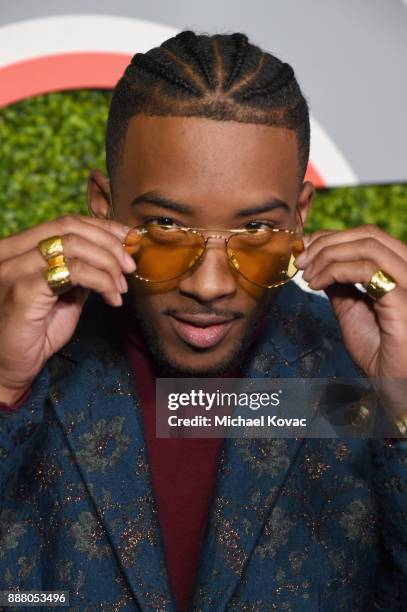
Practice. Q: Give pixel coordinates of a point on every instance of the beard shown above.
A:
(166, 366)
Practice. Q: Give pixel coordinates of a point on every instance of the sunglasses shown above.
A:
(264, 257)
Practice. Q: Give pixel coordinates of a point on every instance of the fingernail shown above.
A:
(119, 285)
(123, 284)
(129, 261)
(300, 260)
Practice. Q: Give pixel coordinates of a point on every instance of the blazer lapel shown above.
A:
(94, 399)
(252, 471)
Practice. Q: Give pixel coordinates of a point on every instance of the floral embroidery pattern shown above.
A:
(11, 531)
(275, 533)
(264, 456)
(358, 522)
(89, 536)
(104, 445)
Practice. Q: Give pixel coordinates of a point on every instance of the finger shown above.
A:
(365, 248)
(82, 274)
(353, 272)
(90, 227)
(91, 232)
(320, 240)
(28, 287)
(131, 235)
(77, 247)
(74, 247)
(309, 238)
(85, 275)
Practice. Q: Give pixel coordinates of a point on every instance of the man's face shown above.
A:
(198, 172)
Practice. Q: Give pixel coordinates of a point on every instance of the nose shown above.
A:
(213, 278)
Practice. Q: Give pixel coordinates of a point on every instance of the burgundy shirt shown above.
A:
(183, 472)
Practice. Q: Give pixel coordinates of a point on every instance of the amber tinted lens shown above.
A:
(166, 253)
(265, 257)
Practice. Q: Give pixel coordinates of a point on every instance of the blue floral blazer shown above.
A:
(294, 525)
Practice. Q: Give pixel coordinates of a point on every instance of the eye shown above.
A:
(161, 221)
(259, 225)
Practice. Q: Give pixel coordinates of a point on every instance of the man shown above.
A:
(211, 133)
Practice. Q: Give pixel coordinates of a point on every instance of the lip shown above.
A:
(201, 331)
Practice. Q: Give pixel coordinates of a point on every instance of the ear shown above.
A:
(304, 203)
(99, 196)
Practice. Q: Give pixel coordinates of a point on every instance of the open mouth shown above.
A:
(201, 332)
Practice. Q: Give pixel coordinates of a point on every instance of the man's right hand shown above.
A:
(34, 322)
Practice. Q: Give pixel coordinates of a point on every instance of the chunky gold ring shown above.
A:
(50, 247)
(57, 274)
(380, 284)
(401, 424)
(360, 418)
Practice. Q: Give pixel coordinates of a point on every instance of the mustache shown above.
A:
(199, 310)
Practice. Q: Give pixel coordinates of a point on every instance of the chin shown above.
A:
(212, 364)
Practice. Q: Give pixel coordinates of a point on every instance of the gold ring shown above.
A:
(57, 274)
(50, 247)
(380, 284)
(360, 417)
(401, 424)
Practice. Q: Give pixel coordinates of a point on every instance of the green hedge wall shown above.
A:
(49, 143)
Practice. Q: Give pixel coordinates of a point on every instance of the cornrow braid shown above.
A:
(190, 43)
(282, 79)
(180, 78)
(150, 65)
(242, 49)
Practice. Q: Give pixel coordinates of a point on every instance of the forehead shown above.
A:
(204, 154)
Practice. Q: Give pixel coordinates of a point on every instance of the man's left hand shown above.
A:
(374, 331)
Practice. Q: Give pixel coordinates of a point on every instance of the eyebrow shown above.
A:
(271, 204)
(153, 197)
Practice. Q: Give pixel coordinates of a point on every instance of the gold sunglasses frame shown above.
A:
(142, 229)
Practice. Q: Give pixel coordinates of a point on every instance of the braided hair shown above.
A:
(222, 77)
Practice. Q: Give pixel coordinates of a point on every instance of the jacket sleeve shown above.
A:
(19, 430)
(390, 486)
